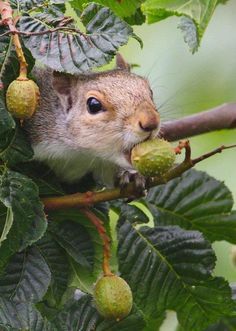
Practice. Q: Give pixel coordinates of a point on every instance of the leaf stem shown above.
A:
(7, 19)
(104, 237)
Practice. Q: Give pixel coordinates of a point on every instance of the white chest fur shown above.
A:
(70, 165)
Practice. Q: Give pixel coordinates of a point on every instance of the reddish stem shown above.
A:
(104, 237)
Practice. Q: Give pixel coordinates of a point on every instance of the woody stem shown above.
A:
(83, 199)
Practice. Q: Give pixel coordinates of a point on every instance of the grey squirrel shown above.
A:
(90, 122)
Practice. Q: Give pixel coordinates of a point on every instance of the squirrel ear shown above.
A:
(121, 63)
(63, 85)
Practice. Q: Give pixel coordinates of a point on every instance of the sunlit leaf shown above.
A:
(199, 14)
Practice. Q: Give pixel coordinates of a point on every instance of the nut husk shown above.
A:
(113, 297)
(22, 98)
(153, 157)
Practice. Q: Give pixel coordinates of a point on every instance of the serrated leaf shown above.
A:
(155, 323)
(75, 239)
(29, 5)
(22, 316)
(131, 212)
(136, 19)
(134, 321)
(81, 315)
(7, 125)
(124, 8)
(81, 277)
(20, 194)
(190, 33)
(58, 265)
(73, 52)
(47, 182)
(26, 278)
(195, 201)
(78, 315)
(169, 268)
(19, 149)
(199, 12)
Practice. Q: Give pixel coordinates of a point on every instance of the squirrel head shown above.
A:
(105, 114)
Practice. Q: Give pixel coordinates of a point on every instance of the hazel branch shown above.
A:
(91, 198)
(222, 117)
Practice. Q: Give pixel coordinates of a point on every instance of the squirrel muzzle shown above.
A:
(147, 117)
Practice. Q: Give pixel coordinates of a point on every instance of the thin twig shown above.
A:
(85, 199)
(215, 151)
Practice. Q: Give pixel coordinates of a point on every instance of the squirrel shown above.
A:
(90, 123)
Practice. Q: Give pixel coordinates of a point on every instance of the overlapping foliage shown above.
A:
(49, 263)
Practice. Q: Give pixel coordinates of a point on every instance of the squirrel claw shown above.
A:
(139, 181)
(124, 179)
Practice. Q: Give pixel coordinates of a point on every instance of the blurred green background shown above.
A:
(184, 83)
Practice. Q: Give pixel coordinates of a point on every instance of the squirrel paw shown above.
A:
(125, 177)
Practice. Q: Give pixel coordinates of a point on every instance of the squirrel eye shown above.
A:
(94, 105)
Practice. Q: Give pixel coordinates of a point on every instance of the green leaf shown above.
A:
(169, 268)
(58, 264)
(136, 19)
(195, 201)
(11, 66)
(224, 325)
(134, 321)
(75, 239)
(7, 126)
(74, 52)
(131, 212)
(78, 315)
(155, 323)
(22, 316)
(81, 315)
(82, 277)
(47, 182)
(19, 149)
(7, 224)
(26, 278)
(190, 33)
(29, 5)
(198, 13)
(20, 194)
(5, 49)
(124, 8)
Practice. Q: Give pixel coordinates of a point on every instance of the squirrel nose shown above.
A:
(148, 127)
(149, 122)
